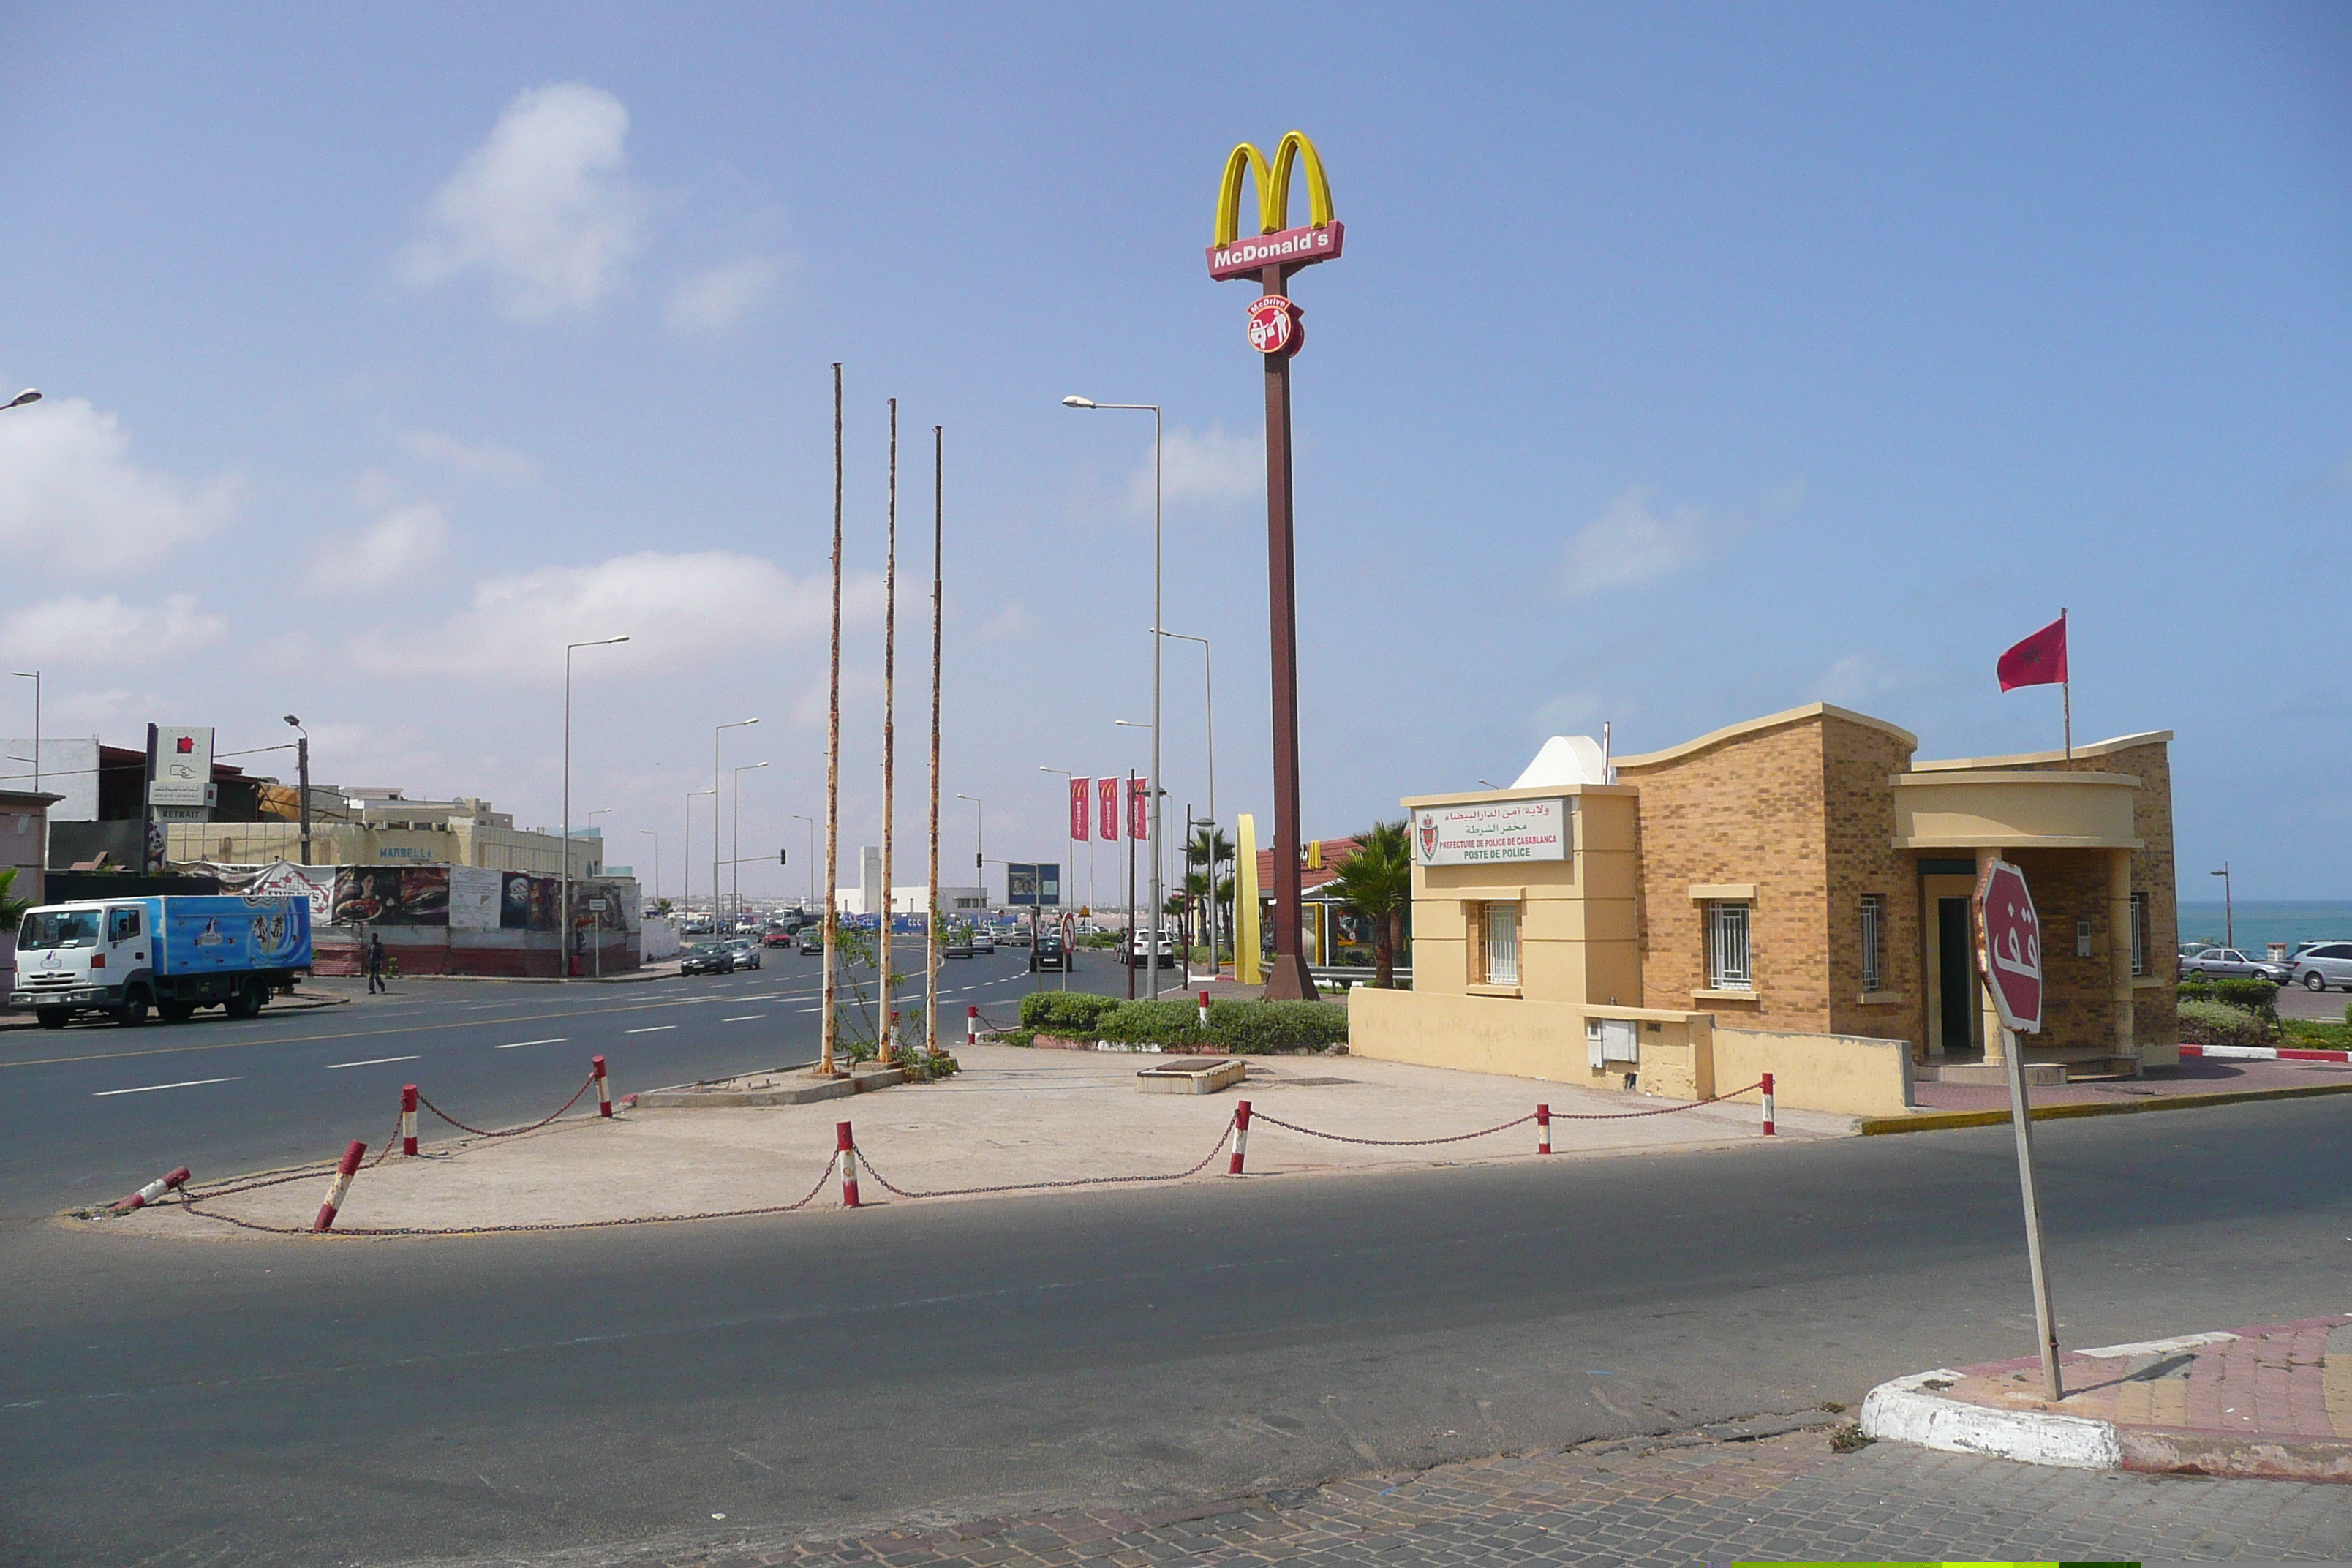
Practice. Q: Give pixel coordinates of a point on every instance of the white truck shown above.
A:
(170, 953)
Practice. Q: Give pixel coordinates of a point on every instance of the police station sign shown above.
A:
(1491, 832)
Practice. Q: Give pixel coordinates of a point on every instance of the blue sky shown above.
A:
(1687, 363)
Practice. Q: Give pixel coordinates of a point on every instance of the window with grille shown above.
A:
(1502, 943)
(1727, 948)
(2139, 932)
(1874, 921)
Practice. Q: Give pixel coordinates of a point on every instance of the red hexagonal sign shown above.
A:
(2009, 946)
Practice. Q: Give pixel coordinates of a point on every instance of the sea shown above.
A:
(2257, 923)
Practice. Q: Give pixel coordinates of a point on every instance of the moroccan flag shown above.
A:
(1082, 816)
(1107, 790)
(2039, 660)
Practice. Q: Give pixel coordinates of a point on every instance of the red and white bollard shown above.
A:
(1204, 1009)
(340, 1187)
(1768, 1105)
(972, 1024)
(1241, 1139)
(151, 1191)
(1543, 1129)
(846, 1147)
(604, 1089)
(408, 1119)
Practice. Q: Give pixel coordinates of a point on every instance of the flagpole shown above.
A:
(2067, 686)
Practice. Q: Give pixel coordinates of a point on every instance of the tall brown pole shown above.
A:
(889, 1018)
(832, 753)
(1287, 978)
(931, 921)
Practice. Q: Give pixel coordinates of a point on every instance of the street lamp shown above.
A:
(2229, 916)
(566, 873)
(736, 859)
(302, 778)
(717, 731)
(657, 838)
(811, 852)
(1157, 835)
(1209, 696)
(35, 676)
(31, 395)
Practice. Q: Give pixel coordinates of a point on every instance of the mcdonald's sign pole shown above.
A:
(1269, 258)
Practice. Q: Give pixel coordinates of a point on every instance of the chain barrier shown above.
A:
(889, 1186)
(510, 1132)
(310, 1173)
(1256, 1115)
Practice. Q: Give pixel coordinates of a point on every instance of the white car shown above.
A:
(2324, 964)
(1139, 950)
(983, 940)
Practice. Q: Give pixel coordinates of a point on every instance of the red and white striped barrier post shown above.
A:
(340, 1187)
(408, 1119)
(972, 1024)
(1241, 1139)
(1768, 1105)
(1543, 1129)
(603, 1088)
(846, 1147)
(151, 1191)
(1204, 1009)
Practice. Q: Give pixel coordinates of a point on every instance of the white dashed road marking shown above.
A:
(742, 1017)
(651, 1029)
(370, 1062)
(151, 1087)
(519, 1045)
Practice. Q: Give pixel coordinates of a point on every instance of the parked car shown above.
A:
(955, 941)
(746, 951)
(983, 940)
(2228, 962)
(1049, 953)
(2322, 965)
(707, 958)
(811, 938)
(1139, 949)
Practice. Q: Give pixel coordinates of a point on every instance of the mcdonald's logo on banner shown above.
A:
(1081, 808)
(1139, 814)
(1233, 255)
(1107, 790)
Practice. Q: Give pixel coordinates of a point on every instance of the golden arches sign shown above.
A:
(1233, 255)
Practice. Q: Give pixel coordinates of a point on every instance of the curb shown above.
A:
(281, 1005)
(1935, 1121)
(1910, 1410)
(2267, 1053)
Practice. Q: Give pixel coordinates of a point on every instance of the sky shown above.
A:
(1685, 364)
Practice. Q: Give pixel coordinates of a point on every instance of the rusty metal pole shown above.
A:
(931, 921)
(1286, 979)
(833, 756)
(888, 1048)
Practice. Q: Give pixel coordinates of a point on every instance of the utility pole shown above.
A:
(888, 1050)
(833, 752)
(932, 920)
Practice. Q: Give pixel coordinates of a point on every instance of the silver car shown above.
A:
(2324, 964)
(2227, 963)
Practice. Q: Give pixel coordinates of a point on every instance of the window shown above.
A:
(122, 925)
(1874, 918)
(1499, 943)
(1727, 948)
(2139, 933)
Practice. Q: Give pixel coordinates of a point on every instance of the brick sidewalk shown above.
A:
(1666, 1502)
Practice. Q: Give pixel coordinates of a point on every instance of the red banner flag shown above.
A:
(1107, 789)
(2039, 660)
(1082, 792)
(1138, 815)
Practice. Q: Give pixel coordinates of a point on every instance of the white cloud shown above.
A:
(718, 298)
(1010, 624)
(1215, 467)
(679, 612)
(1856, 679)
(398, 545)
(544, 206)
(467, 458)
(75, 630)
(70, 496)
(1629, 545)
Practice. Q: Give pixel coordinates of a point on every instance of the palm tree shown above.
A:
(1209, 849)
(1378, 880)
(12, 908)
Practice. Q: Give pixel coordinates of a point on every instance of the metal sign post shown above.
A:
(2009, 955)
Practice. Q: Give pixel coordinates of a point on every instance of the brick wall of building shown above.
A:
(1857, 761)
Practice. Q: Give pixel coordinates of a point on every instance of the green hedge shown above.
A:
(1248, 1028)
(1244, 1028)
(2218, 1024)
(1156, 1023)
(1072, 1013)
(2259, 997)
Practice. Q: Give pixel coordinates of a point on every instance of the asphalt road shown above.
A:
(93, 1110)
(523, 1396)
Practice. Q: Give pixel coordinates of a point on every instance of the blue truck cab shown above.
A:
(169, 954)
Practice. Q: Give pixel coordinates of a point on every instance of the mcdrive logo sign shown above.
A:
(1276, 244)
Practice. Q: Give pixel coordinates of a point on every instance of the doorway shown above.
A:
(1955, 973)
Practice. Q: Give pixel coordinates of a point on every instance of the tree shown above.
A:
(1208, 850)
(1378, 880)
(12, 908)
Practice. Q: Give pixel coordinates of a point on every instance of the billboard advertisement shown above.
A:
(391, 895)
(528, 903)
(1081, 814)
(183, 766)
(280, 879)
(474, 893)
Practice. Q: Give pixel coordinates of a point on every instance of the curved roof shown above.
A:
(1770, 721)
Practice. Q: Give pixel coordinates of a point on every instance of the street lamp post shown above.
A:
(736, 837)
(717, 731)
(35, 676)
(811, 852)
(566, 873)
(1209, 695)
(1157, 838)
(657, 838)
(2229, 908)
(302, 781)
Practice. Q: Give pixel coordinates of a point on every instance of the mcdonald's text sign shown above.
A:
(1291, 248)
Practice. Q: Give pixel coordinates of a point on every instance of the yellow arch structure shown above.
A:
(1273, 182)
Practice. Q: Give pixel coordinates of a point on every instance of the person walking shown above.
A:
(375, 963)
